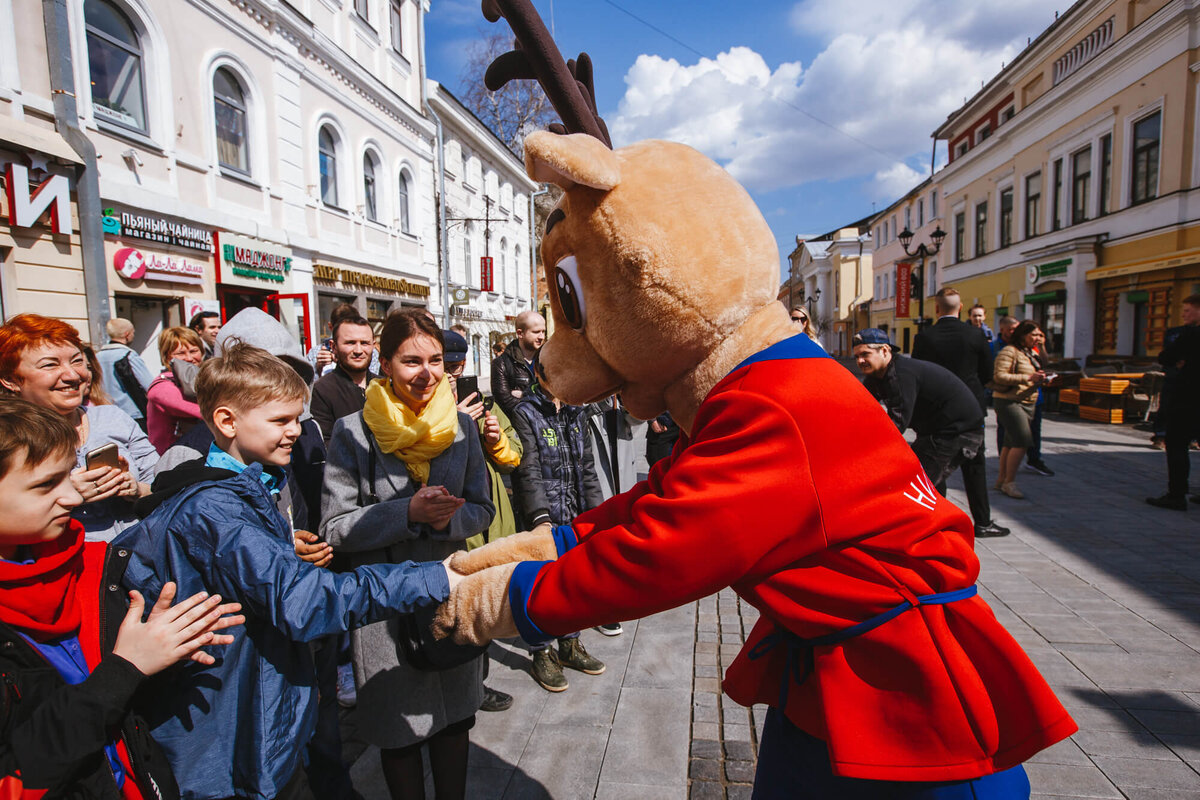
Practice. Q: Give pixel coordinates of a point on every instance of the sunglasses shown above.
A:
(800, 319)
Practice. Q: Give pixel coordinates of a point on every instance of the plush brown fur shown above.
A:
(534, 545)
(477, 611)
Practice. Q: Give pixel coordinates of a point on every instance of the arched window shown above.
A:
(327, 155)
(229, 111)
(502, 284)
(115, 65)
(402, 207)
(467, 275)
(370, 201)
(516, 272)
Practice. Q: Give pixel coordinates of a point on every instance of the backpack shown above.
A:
(130, 384)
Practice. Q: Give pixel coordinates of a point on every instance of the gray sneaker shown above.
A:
(571, 653)
(547, 671)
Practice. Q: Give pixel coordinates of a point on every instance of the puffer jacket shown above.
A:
(556, 480)
(1012, 375)
(239, 727)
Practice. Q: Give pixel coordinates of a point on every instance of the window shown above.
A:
(1056, 209)
(960, 236)
(396, 8)
(1006, 217)
(933, 204)
(981, 228)
(920, 212)
(327, 156)
(115, 65)
(1008, 114)
(363, 9)
(405, 224)
(1033, 204)
(1147, 134)
(983, 134)
(895, 227)
(502, 284)
(1081, 184)
(885, 232)
(1105, 174)
(229, 112)
(467, 275)
(370, 201)
(908, 217)
(961, 150)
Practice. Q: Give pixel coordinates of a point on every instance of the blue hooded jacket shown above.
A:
(239, 727)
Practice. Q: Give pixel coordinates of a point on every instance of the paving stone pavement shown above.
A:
(1102, 590)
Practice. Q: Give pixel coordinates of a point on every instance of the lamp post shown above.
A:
(811, 301)
(923, 252)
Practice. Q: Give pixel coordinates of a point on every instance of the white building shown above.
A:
(488, 215)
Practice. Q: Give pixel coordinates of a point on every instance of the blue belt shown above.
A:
(800, 650)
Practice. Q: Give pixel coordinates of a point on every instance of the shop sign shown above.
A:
(154, 228)
(367, 280)
(249, 258)
(903, 290)
(25, 208)
(487, 273)
(468, 313)
(1039, 272)
(132, 265)
(194, 305)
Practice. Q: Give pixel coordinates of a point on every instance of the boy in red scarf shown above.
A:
(65, 725)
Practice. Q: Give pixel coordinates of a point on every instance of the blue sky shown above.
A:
(821, 108)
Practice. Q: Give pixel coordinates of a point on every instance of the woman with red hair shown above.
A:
(42, 361)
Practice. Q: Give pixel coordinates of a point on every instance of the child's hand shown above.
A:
(97, 484)
(491, 429)
(174, 633)
(433, 505)
(311, 549)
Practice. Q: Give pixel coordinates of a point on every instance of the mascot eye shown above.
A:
(570, 298)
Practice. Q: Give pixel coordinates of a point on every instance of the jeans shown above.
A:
(533, 648)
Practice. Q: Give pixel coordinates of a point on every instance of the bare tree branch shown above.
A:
(515, 110)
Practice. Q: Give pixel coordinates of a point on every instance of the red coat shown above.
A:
(796, 490)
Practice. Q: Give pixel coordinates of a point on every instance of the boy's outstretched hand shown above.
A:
(174, 633)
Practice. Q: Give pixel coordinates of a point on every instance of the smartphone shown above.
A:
(106, 456)
(467, 385)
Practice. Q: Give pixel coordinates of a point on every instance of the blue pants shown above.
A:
(795, 766)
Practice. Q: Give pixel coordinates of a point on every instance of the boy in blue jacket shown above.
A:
(238, 728)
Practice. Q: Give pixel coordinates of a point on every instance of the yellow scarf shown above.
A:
(415, 439)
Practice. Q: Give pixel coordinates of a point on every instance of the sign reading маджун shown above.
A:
(251, 260)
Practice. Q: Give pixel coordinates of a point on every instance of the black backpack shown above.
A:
(130, 384)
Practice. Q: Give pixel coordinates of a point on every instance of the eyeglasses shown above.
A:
(800, 319)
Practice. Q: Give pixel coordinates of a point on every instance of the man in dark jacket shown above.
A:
(929, 399)
(512, 371)
(343, 390)
(555, 482)
(1182, 407)
(963, 349)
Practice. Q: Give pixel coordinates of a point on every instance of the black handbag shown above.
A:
(414, 633)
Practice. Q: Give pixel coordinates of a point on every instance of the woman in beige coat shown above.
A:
(1015, 378)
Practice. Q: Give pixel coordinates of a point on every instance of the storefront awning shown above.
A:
(1134, 267)
(1056, 295)
(24, 136)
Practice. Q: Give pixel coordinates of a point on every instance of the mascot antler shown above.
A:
(568, 85)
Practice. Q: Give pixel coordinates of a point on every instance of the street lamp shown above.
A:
(811, 300)
(906, 237)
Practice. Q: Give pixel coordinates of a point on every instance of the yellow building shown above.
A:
(831, 275)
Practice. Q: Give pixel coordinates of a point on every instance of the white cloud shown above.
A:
(883, 78)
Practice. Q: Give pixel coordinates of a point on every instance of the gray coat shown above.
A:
(397, 704)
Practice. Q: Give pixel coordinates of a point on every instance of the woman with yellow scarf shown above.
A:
(405, 479)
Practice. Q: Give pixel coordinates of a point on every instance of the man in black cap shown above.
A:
(932, 401)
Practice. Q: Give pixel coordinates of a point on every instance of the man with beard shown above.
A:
(343, 390)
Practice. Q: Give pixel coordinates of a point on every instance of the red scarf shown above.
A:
(38, 599)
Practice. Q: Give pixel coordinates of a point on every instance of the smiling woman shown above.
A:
(42, 361)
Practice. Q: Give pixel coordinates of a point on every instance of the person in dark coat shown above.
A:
(512, 371)
(928, 398)
(343, 390)
(555, 482)
(1182, 407)
(963, 349)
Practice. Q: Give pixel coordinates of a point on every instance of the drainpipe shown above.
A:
(87, 176)
(534, 255)
(443, 240)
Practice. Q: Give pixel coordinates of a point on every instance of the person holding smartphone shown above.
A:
(42, 361)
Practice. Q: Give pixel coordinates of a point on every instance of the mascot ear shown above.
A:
(570, 160)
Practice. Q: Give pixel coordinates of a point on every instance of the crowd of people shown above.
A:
(312, 499)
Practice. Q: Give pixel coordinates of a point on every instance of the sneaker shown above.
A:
(991, 529)
(495, 700)
(572, 653)
(1158, 442)
(547, 672)
(1012, 491)
(347, 695)
(1040, 468)
(615, 628)
(1173, 502)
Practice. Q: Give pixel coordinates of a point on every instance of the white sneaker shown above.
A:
(347, 695)
(614, 629)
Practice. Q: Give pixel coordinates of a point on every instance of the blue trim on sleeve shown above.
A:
(520, 586)
(564, 538)
(798, 346)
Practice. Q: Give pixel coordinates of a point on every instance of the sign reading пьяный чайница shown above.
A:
(251, 262)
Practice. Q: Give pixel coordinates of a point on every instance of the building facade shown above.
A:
(1072, 193)
(831, 276)
(918, 212)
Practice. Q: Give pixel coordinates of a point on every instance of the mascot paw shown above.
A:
(477, 610)
(534, 545)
